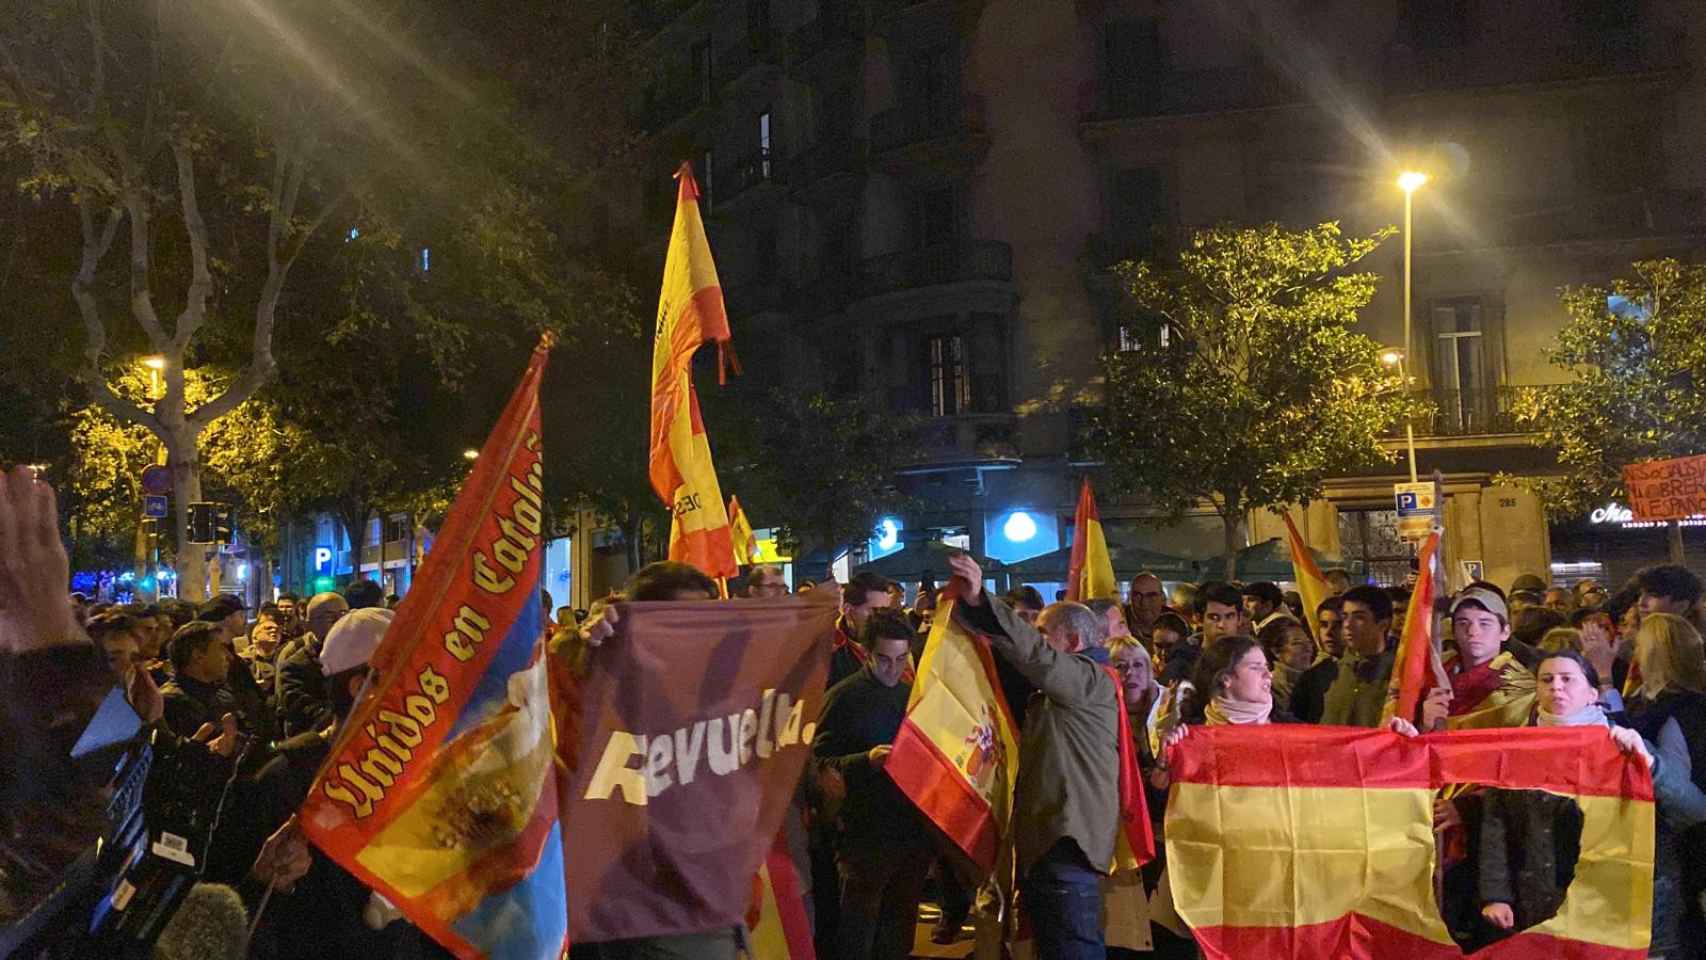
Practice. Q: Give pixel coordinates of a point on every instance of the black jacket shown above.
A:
(303, 704)
(191, 703)
(1529, 842)
(1309, 694)
(860, 713)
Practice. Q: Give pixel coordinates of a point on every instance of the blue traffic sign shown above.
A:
(154, 507)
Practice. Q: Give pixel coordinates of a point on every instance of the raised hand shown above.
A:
(35, 576)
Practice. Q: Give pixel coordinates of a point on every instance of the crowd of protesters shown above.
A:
(241, 711)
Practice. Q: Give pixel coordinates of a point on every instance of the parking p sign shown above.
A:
(1418, 510)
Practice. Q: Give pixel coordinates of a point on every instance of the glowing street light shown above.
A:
(1409, 181)
(470, 454)
(155, 362)
(1392, 358)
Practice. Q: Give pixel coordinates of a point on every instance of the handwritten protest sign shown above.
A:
(1667, 489)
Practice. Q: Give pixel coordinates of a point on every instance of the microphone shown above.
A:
(210, 924)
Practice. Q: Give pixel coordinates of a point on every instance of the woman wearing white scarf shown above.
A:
(1233, 685)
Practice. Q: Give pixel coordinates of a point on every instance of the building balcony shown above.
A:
(1611, 55)
(1189, 92)
(836, 27)
(946, 135)
(672, 100)
(1619, 216)
(942, 263)
(831, 161)
(754, 53)
(967, 438)
(1490, 412)
(759, 169)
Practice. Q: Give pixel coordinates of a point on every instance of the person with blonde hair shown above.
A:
(1669, 711)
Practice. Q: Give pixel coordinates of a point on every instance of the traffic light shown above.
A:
(201, 522)
(224, 523)
(212, 522)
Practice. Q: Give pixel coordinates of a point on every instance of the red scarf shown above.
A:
(844, 638)
(1134, 807)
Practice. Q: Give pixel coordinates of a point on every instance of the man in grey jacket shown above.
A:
(1066, 804)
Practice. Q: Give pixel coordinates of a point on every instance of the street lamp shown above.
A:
(1409, 181)
(470, 454)
(155, 365)
(1395, 358)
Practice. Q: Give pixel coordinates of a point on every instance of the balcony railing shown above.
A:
(938, 264)
(1191, 91)
(828, 158)
(1604, 54)
(753, 51)
(1465, 413)
(981, 436)
(835, 25)
(753, 170)
(928, 120)
(1619, 216)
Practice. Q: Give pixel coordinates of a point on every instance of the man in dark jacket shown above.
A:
(197, 692)
(1066, 804)
(883, 849)
(303, 705)
(860, 597)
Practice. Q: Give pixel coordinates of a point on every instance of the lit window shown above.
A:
(425, 262)
(950, 387)
(354, 233)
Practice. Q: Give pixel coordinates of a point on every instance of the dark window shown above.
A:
(933, 217)
(933, 88)
(950, 381)
(1138, 211)
(1131, 49)
(701, 54)
(988, 363)
(1436, 24)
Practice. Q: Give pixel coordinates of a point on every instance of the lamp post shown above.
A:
(1395, 358)
(1409, 181)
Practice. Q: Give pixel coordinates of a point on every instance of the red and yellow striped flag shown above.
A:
(1311, 585)
(780, 928)
(1416, 650)
(740, 534)
(1307, 842)
(957, 753)
(690, 313)
(1090, 573)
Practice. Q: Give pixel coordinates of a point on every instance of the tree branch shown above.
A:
(141, 297)
(201, 281)
(95, 247)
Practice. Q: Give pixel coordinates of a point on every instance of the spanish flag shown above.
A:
(1307, 842)
(1416, 650)
(690, 313)
(740, 534)
(957, 753)
(440, 792)
(780, 929)
(1090, 573)
(1311, 585)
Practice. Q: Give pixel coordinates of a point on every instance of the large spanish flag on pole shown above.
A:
(957, 753)
(1416, 650)
(1090, 575)
(690, 314)
(441, 792)
(1301, 842)
(1311, 585)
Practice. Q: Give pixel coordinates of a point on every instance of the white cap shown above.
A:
(352, 640)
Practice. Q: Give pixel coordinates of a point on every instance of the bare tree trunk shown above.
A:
(1676, 551)
(191, 563)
